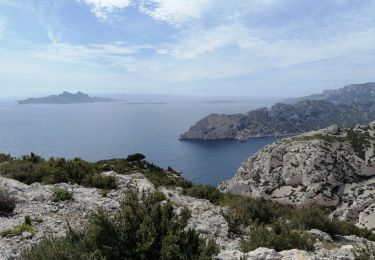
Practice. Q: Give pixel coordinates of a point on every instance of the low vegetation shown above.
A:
(18, 230)
(204, 192)
(359, 140)
(268, 224)
(62, 195)
(158, 176)
(279, 237)
(7, 203)
(140, 230)
(33, 168)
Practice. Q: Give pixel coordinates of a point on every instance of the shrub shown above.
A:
(61, 195)
(139, 230)
(205, 192)
(27, 220)
(33, 158)
(135, 157)
(100, 182)
(7, 203)
(5, 157)
(18, 230)
(278, 236)
(309, 218)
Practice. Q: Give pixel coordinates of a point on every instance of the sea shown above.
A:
(149, 124)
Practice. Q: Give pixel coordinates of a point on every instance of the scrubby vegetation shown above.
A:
(359, 140)
(7, 203)
(205, 192)
(269, 224)
(62, 195)
(157, 175)
(140, 230)
(18, 230)
(279, 237)
(33, 168)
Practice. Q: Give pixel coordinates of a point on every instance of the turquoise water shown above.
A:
(101, 131)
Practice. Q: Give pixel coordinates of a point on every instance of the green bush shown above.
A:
(205, 192)
(18, 230)
(158, 176)
(61, 195)
(315, 218)
(100, 182)
(135, 157)
(5, 157)
(139, 230)
(7, 203)
(245, 211)
(278, 236)
(32, 168)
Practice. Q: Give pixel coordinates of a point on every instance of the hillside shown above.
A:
(310, 113)
(332, 167)
(64, 98)
(72, 209)
(355, 93)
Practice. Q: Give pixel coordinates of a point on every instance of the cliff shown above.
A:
(346, 107)
(332, 167)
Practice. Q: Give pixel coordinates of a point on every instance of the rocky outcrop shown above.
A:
(309, 113)
(51, 218)
(36, 201)
(331, 167)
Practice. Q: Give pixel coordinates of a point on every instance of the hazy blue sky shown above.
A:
(238, 47)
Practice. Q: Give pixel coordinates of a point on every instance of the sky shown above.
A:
(258, 48)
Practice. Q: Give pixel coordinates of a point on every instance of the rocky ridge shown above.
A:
(332, 167)
(305, 114)
(354, 93)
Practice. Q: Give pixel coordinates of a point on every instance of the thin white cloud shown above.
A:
(3, 25)
(103, 8)
(175, 12)
(94, 55)
(200, 42)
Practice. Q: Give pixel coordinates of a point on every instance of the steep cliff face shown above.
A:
(346, 107)
(331, 167)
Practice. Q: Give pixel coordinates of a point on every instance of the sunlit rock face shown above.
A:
(331, 167)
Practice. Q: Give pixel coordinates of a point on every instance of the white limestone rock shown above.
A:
(331, 167)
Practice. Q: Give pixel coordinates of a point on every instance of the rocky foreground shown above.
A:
(346, 107)
(206, 218)
(333, 167)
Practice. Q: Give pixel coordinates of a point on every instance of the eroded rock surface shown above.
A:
(331, 167)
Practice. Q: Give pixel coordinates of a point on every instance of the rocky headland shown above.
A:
(345, 107)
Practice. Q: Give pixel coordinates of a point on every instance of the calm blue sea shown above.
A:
(108, 130)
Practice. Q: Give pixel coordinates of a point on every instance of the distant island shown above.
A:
(65, 98)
